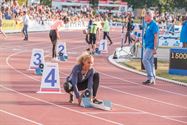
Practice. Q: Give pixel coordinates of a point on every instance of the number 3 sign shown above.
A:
(37, 58)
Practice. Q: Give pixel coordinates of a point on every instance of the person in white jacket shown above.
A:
(25, 25)
(1, 25)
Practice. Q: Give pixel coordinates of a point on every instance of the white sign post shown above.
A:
(61, 48)
(50, 79)
(103, 47)
(37, 58)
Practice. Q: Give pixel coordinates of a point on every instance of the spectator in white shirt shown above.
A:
(25, 25)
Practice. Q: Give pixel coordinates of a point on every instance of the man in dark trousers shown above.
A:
(106, 30)
(129, 30)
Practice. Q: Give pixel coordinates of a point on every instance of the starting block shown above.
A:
(97, 51)
(63, 56)
(105, 105)
(39, 70)
(86, 93)
(87, 103)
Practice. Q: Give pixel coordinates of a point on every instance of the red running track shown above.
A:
(133, 103)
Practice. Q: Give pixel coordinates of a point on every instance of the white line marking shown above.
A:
(180, 94)
(63, 107)
(142, 85)
(117, 90)
(176, 116)
(20, 117)
(136, 109)
(131, 113)
(150, 113)
(7, 61)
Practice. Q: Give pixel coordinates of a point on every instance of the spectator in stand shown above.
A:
(183, 34)
(25, 25)
(15, 8)
(7, 14)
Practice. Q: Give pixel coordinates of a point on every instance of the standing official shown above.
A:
(106, 30)
(151, 41)
(183, 34)
(129, 30)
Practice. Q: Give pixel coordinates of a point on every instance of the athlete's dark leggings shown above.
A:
(54, 50)
(84, 84)
(53, 37)
(128, 35)
(106, 34)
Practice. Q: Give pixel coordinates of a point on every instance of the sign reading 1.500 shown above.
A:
(178, 61)
(178, 55)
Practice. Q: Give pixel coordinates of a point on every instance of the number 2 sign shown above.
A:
(61, 48)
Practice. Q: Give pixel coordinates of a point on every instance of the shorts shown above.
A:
(92, 38)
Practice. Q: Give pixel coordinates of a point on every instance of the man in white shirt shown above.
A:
(25, 25)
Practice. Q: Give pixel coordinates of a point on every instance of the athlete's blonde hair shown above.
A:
(82, 58)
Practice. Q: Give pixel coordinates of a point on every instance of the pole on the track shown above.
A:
(143, 26)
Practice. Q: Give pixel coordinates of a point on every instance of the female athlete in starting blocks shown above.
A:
(82, 77)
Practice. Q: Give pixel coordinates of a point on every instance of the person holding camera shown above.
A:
(130, 28)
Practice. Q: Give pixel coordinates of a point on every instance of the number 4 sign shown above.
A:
(103, 46)
(37, 58)
(50, 79)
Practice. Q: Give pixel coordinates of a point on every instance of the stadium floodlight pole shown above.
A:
(143, 26)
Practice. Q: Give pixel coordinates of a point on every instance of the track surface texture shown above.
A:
(133, 103)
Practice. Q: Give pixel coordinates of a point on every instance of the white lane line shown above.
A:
(119, 91)
(149, 113)
(20, 117)
(129, 107)
(129, 113)
(16, 53)
(20, 46)
(135, 109)
(155, 100)
(179, 94)
(63, 107)
(176, 116)
(7, 61)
